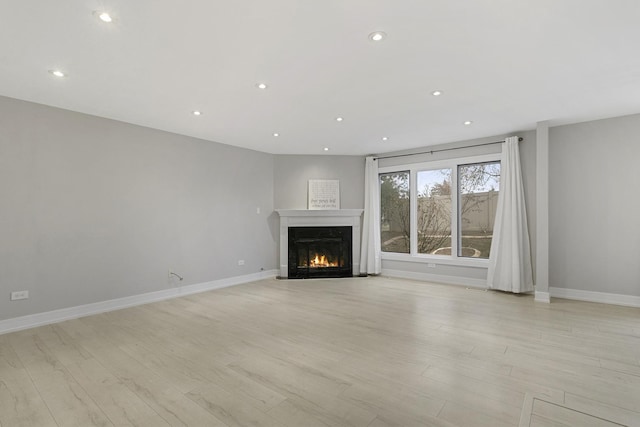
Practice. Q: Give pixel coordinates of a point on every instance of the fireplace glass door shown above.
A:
(320, 252)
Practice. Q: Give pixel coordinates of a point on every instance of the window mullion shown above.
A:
(413, 217)
(455, 217)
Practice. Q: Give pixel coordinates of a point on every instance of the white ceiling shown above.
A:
(504, 64)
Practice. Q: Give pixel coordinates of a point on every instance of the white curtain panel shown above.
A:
(510, 258)
(370, 248)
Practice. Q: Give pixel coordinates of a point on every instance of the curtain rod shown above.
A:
(442, 149)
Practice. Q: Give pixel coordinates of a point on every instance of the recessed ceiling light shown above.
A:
(384, 138)
(105, 17)
(436, 93)
(326, 148)
(377, 36)
(57, 73)
(261, 85)
(276, 134)
(468, 122)
(339, 119)
(197, 113)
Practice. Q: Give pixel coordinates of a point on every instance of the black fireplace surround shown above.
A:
(320, 252)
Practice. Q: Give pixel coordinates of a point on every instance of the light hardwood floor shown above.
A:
(335, 352)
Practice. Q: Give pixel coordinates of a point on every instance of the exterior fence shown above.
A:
(478, 214)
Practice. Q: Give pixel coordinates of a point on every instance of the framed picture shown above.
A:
(324, 194)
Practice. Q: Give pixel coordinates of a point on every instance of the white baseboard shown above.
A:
(542, 297)
(55, 316)
(438, 278)
(601, 297)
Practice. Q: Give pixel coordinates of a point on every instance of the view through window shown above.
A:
(434, 212)
(395, 212)
(454, 206)
(478, 189)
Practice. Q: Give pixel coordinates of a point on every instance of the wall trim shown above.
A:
(438, 278)
(55, 316)
(542, 297)
(601, 297)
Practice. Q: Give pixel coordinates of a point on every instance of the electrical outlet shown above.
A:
(19, 295)
(258, 211)
(431, 265)
(240, 262)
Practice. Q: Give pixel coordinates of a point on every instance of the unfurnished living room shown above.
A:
(319, 213)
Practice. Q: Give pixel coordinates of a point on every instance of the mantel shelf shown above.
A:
(321, 213)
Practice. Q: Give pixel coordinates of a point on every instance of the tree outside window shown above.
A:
(479, 185)
(434, 211)
(395, 212)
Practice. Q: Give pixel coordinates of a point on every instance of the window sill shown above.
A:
(437, 260)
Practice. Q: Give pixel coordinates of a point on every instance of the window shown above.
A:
(434, 211)
(478, 189)
(395, 212)
(443, 209)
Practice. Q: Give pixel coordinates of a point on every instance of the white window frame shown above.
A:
(413, 169)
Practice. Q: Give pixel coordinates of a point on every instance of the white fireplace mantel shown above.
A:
(318, 218)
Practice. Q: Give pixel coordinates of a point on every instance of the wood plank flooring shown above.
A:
(335, 352)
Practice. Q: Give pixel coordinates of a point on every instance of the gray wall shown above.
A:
(292, 173)
(528, 163)
(594, 208)
(94, 209)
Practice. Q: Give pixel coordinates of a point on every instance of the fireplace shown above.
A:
(343, 219)
(320, 252)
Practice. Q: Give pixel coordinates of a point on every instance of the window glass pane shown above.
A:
(434, 212)
(479, 185)
(394, 212)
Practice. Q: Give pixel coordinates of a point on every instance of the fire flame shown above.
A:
(322, 261)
